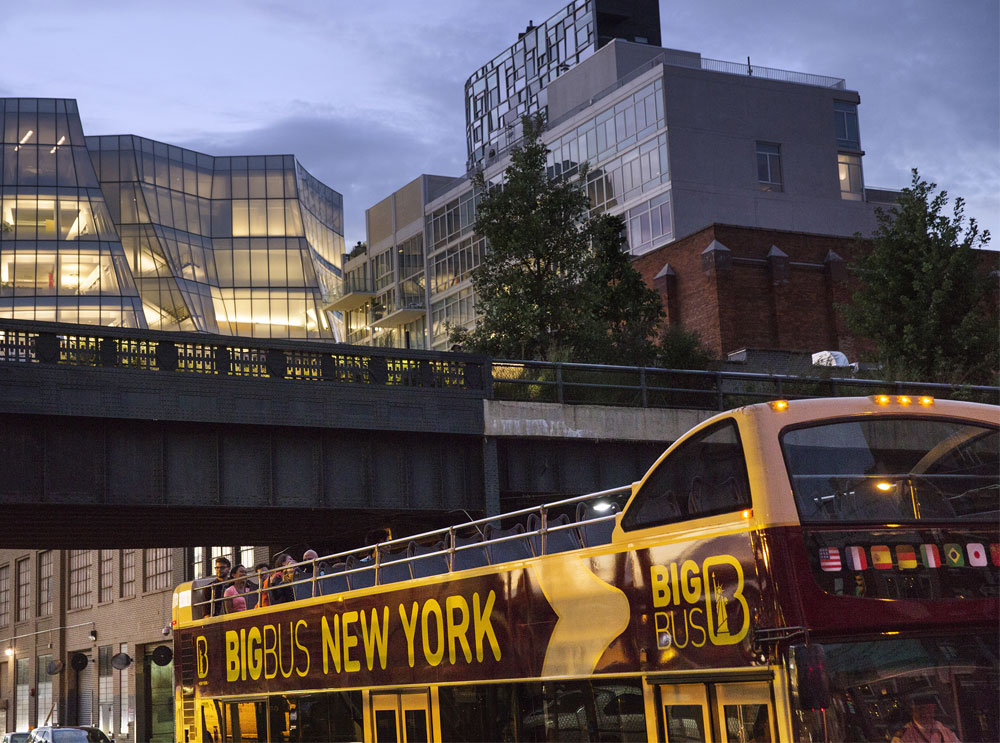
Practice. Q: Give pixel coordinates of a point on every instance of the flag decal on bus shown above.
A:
(829, 559)
(930, 556)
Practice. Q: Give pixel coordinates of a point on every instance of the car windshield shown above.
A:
(894, 469)
(78, 736)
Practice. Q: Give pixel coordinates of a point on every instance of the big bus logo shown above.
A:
(201, 655)
(699, 604)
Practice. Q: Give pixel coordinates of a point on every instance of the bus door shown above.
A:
(236, 722)
(403, 717)
(744, 712)
(717, 713)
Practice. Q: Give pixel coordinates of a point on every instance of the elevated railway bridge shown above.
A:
(174, 439)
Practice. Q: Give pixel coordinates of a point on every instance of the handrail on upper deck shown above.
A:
(371, 559)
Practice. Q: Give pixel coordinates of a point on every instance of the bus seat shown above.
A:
(365, 577)
(471, 556)
(302, 589)
(511, 548)
(427, 559)
(334, 580)
(555, 541)
(599, 533)
(393, 567)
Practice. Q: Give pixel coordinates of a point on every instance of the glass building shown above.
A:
(512, 84)
(125, 231)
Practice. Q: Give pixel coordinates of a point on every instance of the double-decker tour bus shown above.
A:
(813, 570)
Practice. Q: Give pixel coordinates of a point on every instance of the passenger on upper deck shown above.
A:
(283, 573)
(308, 569)
(236, 594)
(222, 566)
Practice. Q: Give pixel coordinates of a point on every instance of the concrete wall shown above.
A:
(714, 121)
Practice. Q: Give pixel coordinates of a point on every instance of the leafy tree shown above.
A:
(682, 349)
(925, 299)
(555, 283)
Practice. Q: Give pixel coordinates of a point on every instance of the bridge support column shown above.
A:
(491, 477)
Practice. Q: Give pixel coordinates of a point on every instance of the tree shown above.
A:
(682, 349)
(926, 299)
(555, 282)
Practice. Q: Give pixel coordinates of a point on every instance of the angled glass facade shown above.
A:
(122, 230)
(60, 255)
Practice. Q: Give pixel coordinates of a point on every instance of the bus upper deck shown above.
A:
(787, 570)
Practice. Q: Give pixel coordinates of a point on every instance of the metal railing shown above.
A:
(772, 73)
(581, 521)
(569, 384)
(457, 373)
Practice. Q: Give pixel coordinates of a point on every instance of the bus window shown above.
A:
(879, 687)
(704, 476)
(894, 469)
(331, 717)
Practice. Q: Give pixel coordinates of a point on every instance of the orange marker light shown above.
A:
(779, 405)
(746, 513)
(882, 399)
(884, 486)
(904, 400)
(925, 401)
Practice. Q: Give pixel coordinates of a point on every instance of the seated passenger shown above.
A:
(283, 574)
(236, 593)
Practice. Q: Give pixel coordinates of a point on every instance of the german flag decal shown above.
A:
(906, 558)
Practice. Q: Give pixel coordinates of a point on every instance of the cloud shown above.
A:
(363, 159)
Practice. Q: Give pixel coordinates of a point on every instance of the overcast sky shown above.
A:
(368, 95)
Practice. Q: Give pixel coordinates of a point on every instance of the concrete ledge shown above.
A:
(593, 422)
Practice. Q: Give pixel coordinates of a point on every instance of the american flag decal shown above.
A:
(829, 559)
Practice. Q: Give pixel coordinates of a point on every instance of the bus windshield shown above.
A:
(887, 470)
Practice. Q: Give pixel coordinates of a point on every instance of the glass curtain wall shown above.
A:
(60, 255)
(247, 246)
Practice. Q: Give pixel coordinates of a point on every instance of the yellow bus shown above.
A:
(806, 570)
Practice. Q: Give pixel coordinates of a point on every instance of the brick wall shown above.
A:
(745, 294)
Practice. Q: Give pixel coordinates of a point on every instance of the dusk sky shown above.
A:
(369, 95)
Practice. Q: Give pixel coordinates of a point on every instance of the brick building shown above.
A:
(58, 605)
(745, 287)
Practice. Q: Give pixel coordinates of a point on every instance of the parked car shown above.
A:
(15, 738)
(57, 734)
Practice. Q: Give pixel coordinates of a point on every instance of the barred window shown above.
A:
(79, 578)
(157, 569)
(23, 590)
(199, 563)
(45, 584)
(128, 573)
(4, 595)
(105, 569)
(246, 558)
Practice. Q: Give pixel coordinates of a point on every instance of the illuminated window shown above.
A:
(849, 168)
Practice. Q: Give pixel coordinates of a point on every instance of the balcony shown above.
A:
(351, 296)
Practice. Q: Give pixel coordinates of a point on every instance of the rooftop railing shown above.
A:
(458, 373)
